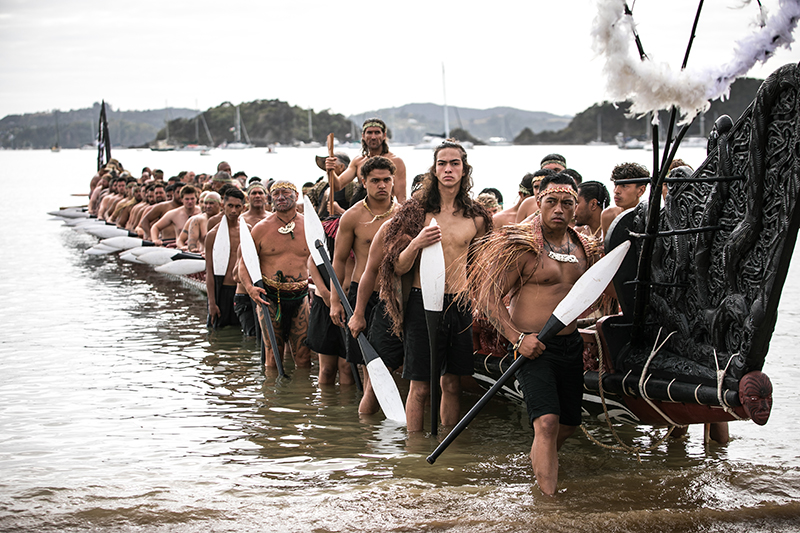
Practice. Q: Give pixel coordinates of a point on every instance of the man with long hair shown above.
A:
(460, 221)
(373, 142)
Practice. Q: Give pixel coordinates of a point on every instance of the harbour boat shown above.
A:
(238, 131)
(699, 296)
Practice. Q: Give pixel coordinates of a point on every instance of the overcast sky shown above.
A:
(348, 57)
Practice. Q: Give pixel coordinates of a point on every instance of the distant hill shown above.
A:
(275, 121)
(409, 123)
(610, 119)
(79, 127)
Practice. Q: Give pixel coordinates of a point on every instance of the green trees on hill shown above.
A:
(265, 121)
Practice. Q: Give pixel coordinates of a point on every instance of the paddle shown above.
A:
(251, 262)
(331, 180)
(382, 382)
(314, 232)
(586, 290)
(431, 272)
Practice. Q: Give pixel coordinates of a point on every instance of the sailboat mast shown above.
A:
(446, 114)
(237, 131)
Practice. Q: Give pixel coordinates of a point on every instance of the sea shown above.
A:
(120, 411)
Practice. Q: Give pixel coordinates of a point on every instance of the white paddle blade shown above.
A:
(158, 256)
(122, 243)
(222, 248)
(182, 267)
(127, 256)
(591, 285)
(99, 249)
(249, 253)
(431, 275)
(386, 391)
(141, 250)
(105, 232)
(314, 229)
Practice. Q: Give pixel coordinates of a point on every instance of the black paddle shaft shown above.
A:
(271, 332)
(432, 319)
(362, 342)
(550, 330)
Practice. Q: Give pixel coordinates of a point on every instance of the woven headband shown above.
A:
(566, 188)
(256, 185)
(283, 185)
(552, 162)
(372, 125)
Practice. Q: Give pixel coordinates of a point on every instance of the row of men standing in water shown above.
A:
(377, 246)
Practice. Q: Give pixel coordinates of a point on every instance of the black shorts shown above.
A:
(323, 335)
(388, 346)
(354, 354)
(224, 295)
(246, 313)
(553, 382)
(454, 339)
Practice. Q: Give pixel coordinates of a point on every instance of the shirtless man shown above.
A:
(155, 213)
(242, 304)
(530, 206)
(373, 142)
(117, 193)
(257, 202)
(283, 255)
(626, 195)
(221, 286)
(357, 229)
(193, 234)
(538, 263)
(168, 227)
(592, 199)
(446, 197)
(509, 216)
(100, 189)
(154, 194)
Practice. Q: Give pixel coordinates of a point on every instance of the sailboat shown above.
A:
(197, 147)
(238, 131)
(163, 145)
(431, 141)
(56, 147)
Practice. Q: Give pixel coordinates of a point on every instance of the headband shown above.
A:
(256, 185)
(526, 191)
(210, 196)
(372, 125)
(563, 188)
(283, 185)
(553, 162)
(538, 178)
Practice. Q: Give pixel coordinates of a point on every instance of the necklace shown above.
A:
(561, 258)
(382, 215)
(288, 227)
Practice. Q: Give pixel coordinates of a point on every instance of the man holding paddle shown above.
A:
(446, 196)
(220, 273)
(283, 254)
(357, 229)
(373, 142)
(537, 264)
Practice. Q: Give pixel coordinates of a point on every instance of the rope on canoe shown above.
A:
(621, 446)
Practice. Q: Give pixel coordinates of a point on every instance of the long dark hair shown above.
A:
(432, 198)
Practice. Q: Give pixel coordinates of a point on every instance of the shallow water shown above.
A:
(119, 410)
